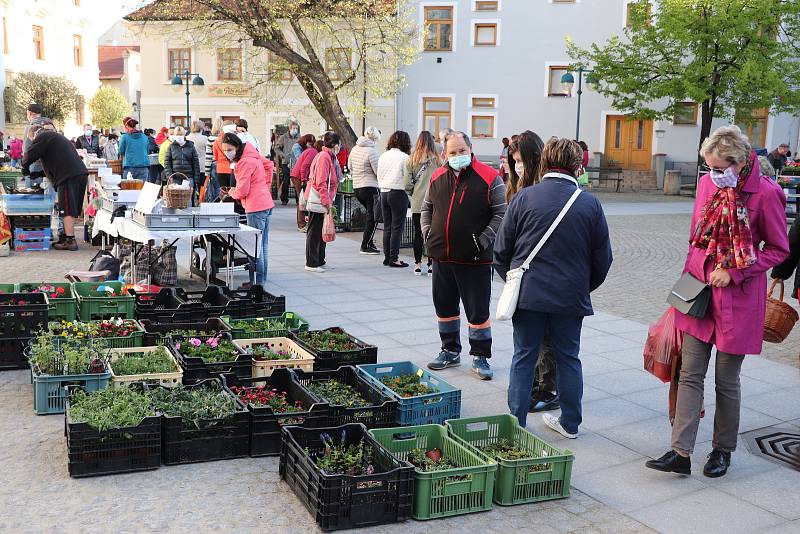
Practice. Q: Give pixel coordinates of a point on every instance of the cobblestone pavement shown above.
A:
(623, 413)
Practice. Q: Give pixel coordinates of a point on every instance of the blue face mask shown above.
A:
(459, 162)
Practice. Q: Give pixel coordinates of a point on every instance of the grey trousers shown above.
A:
(696, 355)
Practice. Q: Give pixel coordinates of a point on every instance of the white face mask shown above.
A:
(520, 168)
(180, 139)
(171, 138)
(230, 154)
(88, 133)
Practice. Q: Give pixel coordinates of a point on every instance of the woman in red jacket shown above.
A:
(324, 182)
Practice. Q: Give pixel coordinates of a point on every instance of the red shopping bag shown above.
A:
(663, 346)
(329, 228)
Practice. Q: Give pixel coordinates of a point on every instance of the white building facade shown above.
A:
(494, 68)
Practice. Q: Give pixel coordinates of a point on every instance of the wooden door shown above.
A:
(629, 142)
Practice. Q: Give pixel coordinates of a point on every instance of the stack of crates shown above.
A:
(31, 232)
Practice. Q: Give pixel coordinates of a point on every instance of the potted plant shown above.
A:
(146, 364)
(334, 347)
(275, 353)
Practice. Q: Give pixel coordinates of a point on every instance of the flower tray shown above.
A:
(382, 411)
(164, 379)
(301, 359)
(196, 370)
(94, 306)
(93, 452)
(132, 340)
(432, 408)
(543, 477)
(291, 321)
(329, 360)
(265, 424)
(155, 332)
(342, 501)
(64, 306)
(447, 492)
(22, 314)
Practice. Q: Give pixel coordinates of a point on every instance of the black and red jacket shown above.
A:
(462, 213)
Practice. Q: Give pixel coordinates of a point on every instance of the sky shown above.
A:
(113, 10)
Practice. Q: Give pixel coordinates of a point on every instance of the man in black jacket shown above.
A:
(461, 213)
(65, 170)
(182, 157)
(89, 141)
(777, 158)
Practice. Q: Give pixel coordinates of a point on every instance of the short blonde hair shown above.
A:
(728, 143)
(179, 130)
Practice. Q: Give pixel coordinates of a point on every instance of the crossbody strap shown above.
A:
(550, 230)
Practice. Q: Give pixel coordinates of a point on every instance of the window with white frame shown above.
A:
(480, 101)
(554, 85)
(438, 28)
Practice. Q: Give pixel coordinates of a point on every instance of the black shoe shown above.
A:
(398, 264)
(544, 402)
(370, 251)
(68, 244)
(672, 462)
(386, 262)
(717, 464)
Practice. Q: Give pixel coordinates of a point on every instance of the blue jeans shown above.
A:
(260, 221)
(138, 173)
(565, 339)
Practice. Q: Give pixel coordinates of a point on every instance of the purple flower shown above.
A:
(195, 342)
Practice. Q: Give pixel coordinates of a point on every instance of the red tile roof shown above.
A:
(111, 60)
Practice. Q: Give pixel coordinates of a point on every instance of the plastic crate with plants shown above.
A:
(62, 300)
(333, 347)
(101, 300)
(114, 333)
(204, 359)
(274, 353)
(22, 314)
(152, 365)
(261, 327)
(156, 332)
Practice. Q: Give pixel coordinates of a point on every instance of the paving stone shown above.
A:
(613, 412)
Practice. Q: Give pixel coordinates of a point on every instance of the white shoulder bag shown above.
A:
(507, 304)
(314, 202)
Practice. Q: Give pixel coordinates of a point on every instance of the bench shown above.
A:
(606, 174)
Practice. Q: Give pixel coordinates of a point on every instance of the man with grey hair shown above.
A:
(283, 150)
(35, 119)
(461, 213)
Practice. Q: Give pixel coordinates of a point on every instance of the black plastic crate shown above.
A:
(407, 240)
(210, 303)
(12, 353)
(254, 302)
(185, 442)
(265, 424)
(93, 452)
(341, 501)
(22, 320)
(196, 370)
(353, 217)
(381, 413)
(329, 360)
(31, 222)
(163, 306)
(156, 332)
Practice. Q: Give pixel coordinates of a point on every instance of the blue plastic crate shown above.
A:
(26, 204)
(433, 408)
(49, 393)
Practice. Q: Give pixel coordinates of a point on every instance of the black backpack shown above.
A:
(105, 261)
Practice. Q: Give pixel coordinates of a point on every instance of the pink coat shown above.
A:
(303, 165)
(15, 149)
(324, 172)
(253, 181)
(735, 318)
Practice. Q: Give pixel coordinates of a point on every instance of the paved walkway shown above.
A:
(624, 423)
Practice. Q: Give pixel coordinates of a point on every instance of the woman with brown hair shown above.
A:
(525, 155)
(423, 162)
(394, 201)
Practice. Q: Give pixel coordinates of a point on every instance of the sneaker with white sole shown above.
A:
(480, 366)
(315, 269)
(554, 423)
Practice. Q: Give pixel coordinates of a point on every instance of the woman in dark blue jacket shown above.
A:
(554, 296)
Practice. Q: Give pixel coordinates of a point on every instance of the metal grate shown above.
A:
(777, 444)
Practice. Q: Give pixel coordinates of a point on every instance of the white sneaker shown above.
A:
(553, 422)
(315, 269)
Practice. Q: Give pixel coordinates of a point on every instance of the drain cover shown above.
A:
(776, 444)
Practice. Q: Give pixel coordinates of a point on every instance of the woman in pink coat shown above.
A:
(736, 212)
(323, 179)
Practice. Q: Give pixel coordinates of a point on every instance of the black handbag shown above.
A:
(690, 296)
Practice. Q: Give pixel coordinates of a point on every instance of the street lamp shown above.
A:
(196, 81)
(567, 82)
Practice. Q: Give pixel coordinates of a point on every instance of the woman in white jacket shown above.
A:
(363, 164)
(394, 200)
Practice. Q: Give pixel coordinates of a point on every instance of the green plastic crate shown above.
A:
(294, 323)
(543, 477)
(136, 339)
(346, 186)
(9, 178)
(93, 307)
(8, 288)
(448, 492)
(65, 307)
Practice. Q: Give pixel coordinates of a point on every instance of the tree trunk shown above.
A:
(706, 117)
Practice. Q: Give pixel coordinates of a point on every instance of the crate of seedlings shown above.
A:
(529, 470)
(273, 402)
(423, 398)
(275, 353)
(345, 478)
(201, 360)
(111, 431)
(260, 327)
(54, 367)
(156, 332)
(151, 365)
(101, 300)
(351, 398)
(22, 314)
(200, 423)
(61, 297)
(110, 333)
(449, 479)
(334, 347)
(203, 304)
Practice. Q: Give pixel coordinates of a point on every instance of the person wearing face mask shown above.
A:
(89, 141)
(223, 164)
(323, 181)
(461, 212)
(738, 232)
(132, 149)
(283, 150)
(182, 157)
(164, 148)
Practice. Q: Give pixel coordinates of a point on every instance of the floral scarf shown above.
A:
(724, 227)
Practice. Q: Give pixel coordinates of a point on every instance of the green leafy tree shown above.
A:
(57, 95)
(370, 40)
(730, 56)
(108, 107)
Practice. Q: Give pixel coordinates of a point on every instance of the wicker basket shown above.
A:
(116, 166)
(780, 317)
(176, 198)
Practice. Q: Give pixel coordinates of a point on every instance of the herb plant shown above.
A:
(195, 404)
(407, 385)
(264, 353)
(432, 460)
(145, 362)
(68, 358)
(505, 449)
(337, 393)
(212, 350)
(258, 325)
(340, 459)
(110, 408)
(333, 339)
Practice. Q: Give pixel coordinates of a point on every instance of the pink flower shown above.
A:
(195, 342)
(178, 346)
(213, 342)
